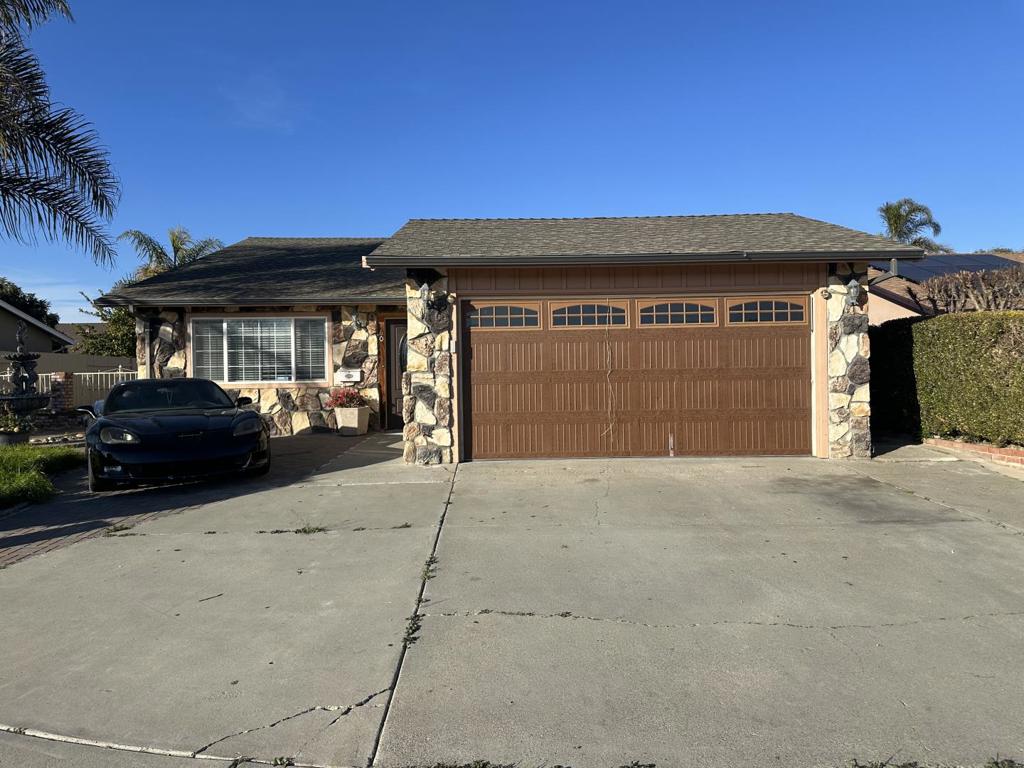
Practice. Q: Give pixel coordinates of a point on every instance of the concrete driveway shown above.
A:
(588, 613)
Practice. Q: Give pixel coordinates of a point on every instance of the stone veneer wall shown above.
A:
(849, 367)
(289, 409)
(427, 383)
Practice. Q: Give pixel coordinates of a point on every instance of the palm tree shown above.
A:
(157, 259)
(55, 178)
(906, 220)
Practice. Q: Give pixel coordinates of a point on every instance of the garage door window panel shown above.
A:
(586, 314)
(773, 311)
(504, 317)
(656, 312)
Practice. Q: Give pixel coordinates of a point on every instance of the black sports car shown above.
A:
(166, 430)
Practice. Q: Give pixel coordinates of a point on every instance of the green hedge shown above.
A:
(957, 375)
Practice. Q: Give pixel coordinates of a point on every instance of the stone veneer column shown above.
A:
(427, 383)
(849, 367)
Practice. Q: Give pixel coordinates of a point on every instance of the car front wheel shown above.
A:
(96, 484)
(261, 470)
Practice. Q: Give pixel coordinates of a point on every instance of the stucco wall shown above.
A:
(881, 310)
(36, 340)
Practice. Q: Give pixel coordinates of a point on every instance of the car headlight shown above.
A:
(118, 436)
(246, 427)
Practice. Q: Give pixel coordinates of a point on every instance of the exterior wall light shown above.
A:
(852, 292)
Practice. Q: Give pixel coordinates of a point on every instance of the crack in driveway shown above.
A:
(341, 710)
(831, 628)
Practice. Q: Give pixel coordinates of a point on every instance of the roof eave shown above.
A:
(732, 257)
(114, 300)
(61, 337)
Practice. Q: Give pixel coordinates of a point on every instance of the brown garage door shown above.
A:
(638, 377)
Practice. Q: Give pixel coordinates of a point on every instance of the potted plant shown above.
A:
(351, 410)
(14, 428)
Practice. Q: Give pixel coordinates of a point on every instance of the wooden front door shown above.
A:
(395, 345)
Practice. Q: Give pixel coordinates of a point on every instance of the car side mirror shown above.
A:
(243, 401)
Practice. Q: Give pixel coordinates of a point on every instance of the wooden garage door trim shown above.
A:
(654, 390)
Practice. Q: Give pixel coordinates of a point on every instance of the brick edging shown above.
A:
(1009, 455)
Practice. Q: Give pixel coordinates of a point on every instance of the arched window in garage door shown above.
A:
(789, 311)
(503, 316)
(575, 315)
(653, 312)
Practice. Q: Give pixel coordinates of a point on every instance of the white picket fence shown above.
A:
(42, 386)
(93, 386)
(89, 386)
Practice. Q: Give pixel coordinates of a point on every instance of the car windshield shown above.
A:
(173, 394)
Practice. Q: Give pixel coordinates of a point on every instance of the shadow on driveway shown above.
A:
(75, 514)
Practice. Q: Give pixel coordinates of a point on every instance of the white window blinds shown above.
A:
(260, 349)
(310, 344)
(208, 349)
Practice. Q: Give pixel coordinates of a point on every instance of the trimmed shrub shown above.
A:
(956, 375)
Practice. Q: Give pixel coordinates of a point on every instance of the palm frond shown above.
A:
(930, 246)
(906, 219)
(33, 203)
(148, 249)
(200, 249)
(53, 146)
(22, 82)
(62, 143)
(31, 13)
(180, 239)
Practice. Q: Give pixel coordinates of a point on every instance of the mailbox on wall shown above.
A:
(352, 375)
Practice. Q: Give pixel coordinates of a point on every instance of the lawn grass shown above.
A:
(24, 470)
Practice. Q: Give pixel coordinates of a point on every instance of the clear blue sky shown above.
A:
(240, 117)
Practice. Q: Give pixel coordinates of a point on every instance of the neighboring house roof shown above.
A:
(61, 337)
(935, 264)
(903, 286)
(898, 290)
(650, 239)
(74, 330)
(271, 270)
(1017, 256)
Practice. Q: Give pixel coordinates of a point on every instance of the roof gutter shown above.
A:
(727, 257)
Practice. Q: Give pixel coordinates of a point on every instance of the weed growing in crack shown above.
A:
(117, 528)
(412, 628)
(283, 761)
(429, 568)
(308, 529)
(996, 762)
(399, 527)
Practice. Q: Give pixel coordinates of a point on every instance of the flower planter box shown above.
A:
(353, 421)
(13, 438)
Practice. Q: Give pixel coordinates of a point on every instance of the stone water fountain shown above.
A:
(22, 399)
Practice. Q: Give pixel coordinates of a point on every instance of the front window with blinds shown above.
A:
(260, 349)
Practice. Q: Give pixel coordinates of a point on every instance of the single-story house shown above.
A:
(727, 335)
(896, 289)
(39, 337)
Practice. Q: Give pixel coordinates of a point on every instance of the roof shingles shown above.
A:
(499, 240)
(272, 270)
